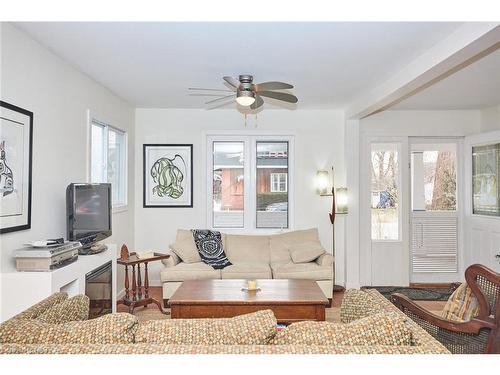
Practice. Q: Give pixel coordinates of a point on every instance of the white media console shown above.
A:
(24, 289)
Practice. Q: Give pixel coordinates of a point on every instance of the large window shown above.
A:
(434, 177)
(384, 192)
(108, 160)
(249, 182)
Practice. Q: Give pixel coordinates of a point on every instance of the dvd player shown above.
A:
(46, 259)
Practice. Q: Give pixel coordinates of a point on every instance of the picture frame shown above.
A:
(16, 155)
(167, 175)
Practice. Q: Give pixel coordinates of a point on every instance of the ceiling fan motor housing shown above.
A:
(246, 78)
(246, 82)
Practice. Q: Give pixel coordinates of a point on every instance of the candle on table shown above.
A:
(252, 284)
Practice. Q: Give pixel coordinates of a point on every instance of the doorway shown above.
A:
(435, 217)
(412, 210)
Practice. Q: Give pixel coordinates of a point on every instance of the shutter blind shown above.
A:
(434, 244)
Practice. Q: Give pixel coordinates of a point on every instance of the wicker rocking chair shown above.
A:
(481, 334)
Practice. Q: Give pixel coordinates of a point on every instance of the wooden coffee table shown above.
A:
(290, 300)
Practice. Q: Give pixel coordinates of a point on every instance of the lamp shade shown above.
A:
(341, 199)
(322, 182)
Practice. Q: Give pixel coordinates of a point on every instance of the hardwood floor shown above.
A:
(332, 314)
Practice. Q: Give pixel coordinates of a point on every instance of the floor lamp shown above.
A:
(339, 207)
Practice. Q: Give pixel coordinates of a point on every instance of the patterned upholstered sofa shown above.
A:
(370, 324)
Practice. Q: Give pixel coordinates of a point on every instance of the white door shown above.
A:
(435, 219)
(384, 186)
(482, 193)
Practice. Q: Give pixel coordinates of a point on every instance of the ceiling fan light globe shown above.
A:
(245, 98)
(245, 101)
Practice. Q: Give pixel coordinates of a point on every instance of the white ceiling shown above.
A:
(474, 87)
(153, 64)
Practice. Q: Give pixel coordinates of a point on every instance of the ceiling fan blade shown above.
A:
(222, 98)
(280, 96)
(232, 81)
(201, 89)
(258, 102)
(272, 85)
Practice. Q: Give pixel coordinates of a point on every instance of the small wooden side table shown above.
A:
(139, 295)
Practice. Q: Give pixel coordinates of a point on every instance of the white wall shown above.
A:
(422, 123)
(490, 119)
(59, 96)
(319, 143)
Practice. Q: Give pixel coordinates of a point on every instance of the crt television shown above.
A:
(88, 209)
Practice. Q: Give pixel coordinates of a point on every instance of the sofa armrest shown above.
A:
(172, 261)
(357, 304)
(325, 260)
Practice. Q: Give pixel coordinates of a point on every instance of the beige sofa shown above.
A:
(252, 257)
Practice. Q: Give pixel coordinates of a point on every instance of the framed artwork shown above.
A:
(168, 175)
(16, 149)
(485, 176)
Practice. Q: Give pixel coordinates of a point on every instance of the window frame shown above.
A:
(93, 121)
(397, 146)
(438, 144)
(250, 177)
(278, 182)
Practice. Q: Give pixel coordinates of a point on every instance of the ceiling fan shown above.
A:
(249, 94)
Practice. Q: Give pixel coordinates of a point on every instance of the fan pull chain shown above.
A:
(245, 120)
(256, 120)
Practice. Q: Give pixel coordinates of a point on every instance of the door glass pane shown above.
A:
(384, 192)
(272, 184)
(97, 154)
(228, 184)
(116, 166)
(485, 175)
(434, 178)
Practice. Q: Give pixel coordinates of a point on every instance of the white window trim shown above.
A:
(91, 119)
(251, 137)
(278, 182)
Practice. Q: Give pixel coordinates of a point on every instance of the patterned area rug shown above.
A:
(417, 294)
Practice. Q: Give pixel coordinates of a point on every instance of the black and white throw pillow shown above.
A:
(209, 244)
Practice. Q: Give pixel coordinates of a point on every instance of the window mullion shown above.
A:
(249, 209)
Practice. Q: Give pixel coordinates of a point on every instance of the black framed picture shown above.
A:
(167, 175)
(16, 153)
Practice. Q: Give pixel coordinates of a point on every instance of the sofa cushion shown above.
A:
(247, 249)
(73, 309)
(186, 250)
(109, 329)
(379, 329)
(280, 243)
(189, 271)
(462, 305)
(247, 271)
(255, 328)
(308, 271)
(305, 252)
(42, 306)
